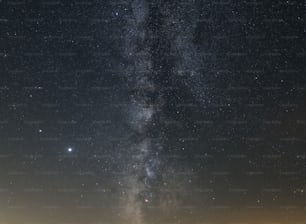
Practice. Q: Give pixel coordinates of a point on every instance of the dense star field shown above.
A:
(152, 112)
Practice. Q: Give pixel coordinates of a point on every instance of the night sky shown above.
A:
(152, 112)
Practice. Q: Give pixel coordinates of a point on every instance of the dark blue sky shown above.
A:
(144, 111)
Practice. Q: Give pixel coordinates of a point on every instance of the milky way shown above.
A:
(142, 110)
(144, 71)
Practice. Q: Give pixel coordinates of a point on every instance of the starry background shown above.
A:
(157, 111)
